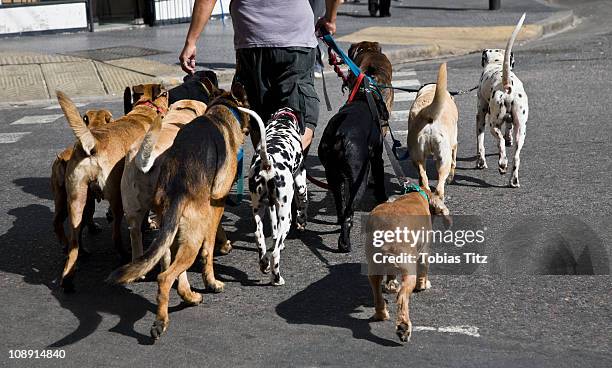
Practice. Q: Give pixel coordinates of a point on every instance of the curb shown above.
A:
(556, 23)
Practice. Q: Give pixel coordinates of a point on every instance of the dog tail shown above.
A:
(434, 110)
(508, 55)
(78, 126)
(144, 161)
(266, 168)
(156, 251)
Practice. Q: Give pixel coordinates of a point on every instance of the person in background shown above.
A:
(275, 46)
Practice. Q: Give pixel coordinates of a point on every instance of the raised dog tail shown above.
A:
(78, 126)
(267, 171)
(434, 110)
(144, 160)
(156, 251)
(508, 55)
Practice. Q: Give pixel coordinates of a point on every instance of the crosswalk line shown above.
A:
(406, 83)
(401, 115)
(37, 119)
(406, 73)
(12, 137)
(57, 107)
(404, 96)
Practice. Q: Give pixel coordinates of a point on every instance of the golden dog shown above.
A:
(97, 163)
(432, 130)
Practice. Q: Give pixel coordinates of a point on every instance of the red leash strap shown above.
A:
(317, 182)
(356, 87)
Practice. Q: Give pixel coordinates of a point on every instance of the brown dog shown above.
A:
(412, 211)
(97, 163)
(195, 178)
(142, 168)
(432, 130)
(369, 58)
(92, 118)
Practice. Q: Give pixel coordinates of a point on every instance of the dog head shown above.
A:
(236, 97)
(97, 118)
(364, 46)
(495, 57)
(155, 93)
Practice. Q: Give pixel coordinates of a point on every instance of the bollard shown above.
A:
(494, 4)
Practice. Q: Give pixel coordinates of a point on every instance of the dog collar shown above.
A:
(412, 188)
(234, 112)
(153, 106)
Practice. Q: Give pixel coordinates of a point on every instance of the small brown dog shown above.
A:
(92, 118)
(195, 178)
(432, 130)
(97, 163)
(412, 211)
(369, 58)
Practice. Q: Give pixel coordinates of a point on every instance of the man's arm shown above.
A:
(202, 9)
(328, 22)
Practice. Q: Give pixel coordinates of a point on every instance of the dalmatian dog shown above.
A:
(275, 175)
(502, 97)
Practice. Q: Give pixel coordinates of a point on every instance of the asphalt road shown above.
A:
(320, 317)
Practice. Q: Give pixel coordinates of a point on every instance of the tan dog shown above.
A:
(92, 118)
(195, 178)
(369, 58)
(432, 130)
(97, 163)
(142, 167)
(412, 211)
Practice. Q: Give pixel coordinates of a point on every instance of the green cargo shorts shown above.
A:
(279, 77)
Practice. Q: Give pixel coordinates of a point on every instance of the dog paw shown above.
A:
(450, 178)
(391, 287)
(264, 264)
(403, 331)
(503, 169)
(278, 280)
(343, 246)
(422, 286)
(158, 328)
(382, 315)
(481, 164)
(216, 286)
(192, 298)
(514, 182)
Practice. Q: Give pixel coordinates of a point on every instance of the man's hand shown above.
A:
(187, 58)
(325, 26)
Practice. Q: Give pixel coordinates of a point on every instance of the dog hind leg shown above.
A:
(403, 325)
(301, 189)
(77, 199)
(481, 160)
(208, 276)
(381, 313)
(521, 130)
(503, 159)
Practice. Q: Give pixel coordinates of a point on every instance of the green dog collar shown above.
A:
(410, 188)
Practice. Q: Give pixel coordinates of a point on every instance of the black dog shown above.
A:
(351, 145)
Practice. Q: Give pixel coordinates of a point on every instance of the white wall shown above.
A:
(42, 17)
(176, 9)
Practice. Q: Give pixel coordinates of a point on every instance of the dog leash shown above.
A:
(416, 90)
(239, 170)
(321, 65)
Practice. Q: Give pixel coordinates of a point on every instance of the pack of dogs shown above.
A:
(174, 155)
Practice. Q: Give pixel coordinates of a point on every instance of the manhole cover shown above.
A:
(115, 53)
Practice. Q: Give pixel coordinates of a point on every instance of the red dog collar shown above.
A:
(153, 106)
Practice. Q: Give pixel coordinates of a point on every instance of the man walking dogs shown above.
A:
(275, 53)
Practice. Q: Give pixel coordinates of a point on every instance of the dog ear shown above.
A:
(158, 90)
(377, 47)
(127, 100)
(484, 58)
(353, 50)
(239, 93)
(108, 116)
(86, 119)
(212, 90)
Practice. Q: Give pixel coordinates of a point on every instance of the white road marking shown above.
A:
(37, 119)
(12, 137)
(400, 132)
(463, 330)
(406, 73)
(401, 115)
(406, 83)
(404, 96)
(57, 107)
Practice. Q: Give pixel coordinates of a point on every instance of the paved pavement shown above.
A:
(103, 63)
(320, 317)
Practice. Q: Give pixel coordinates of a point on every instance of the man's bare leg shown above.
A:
(306, 140)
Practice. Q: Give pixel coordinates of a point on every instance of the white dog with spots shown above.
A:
(501, 96)
(275, 175)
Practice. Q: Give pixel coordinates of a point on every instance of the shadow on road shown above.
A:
(332, 300)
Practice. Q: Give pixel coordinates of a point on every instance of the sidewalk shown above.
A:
(104, 63)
